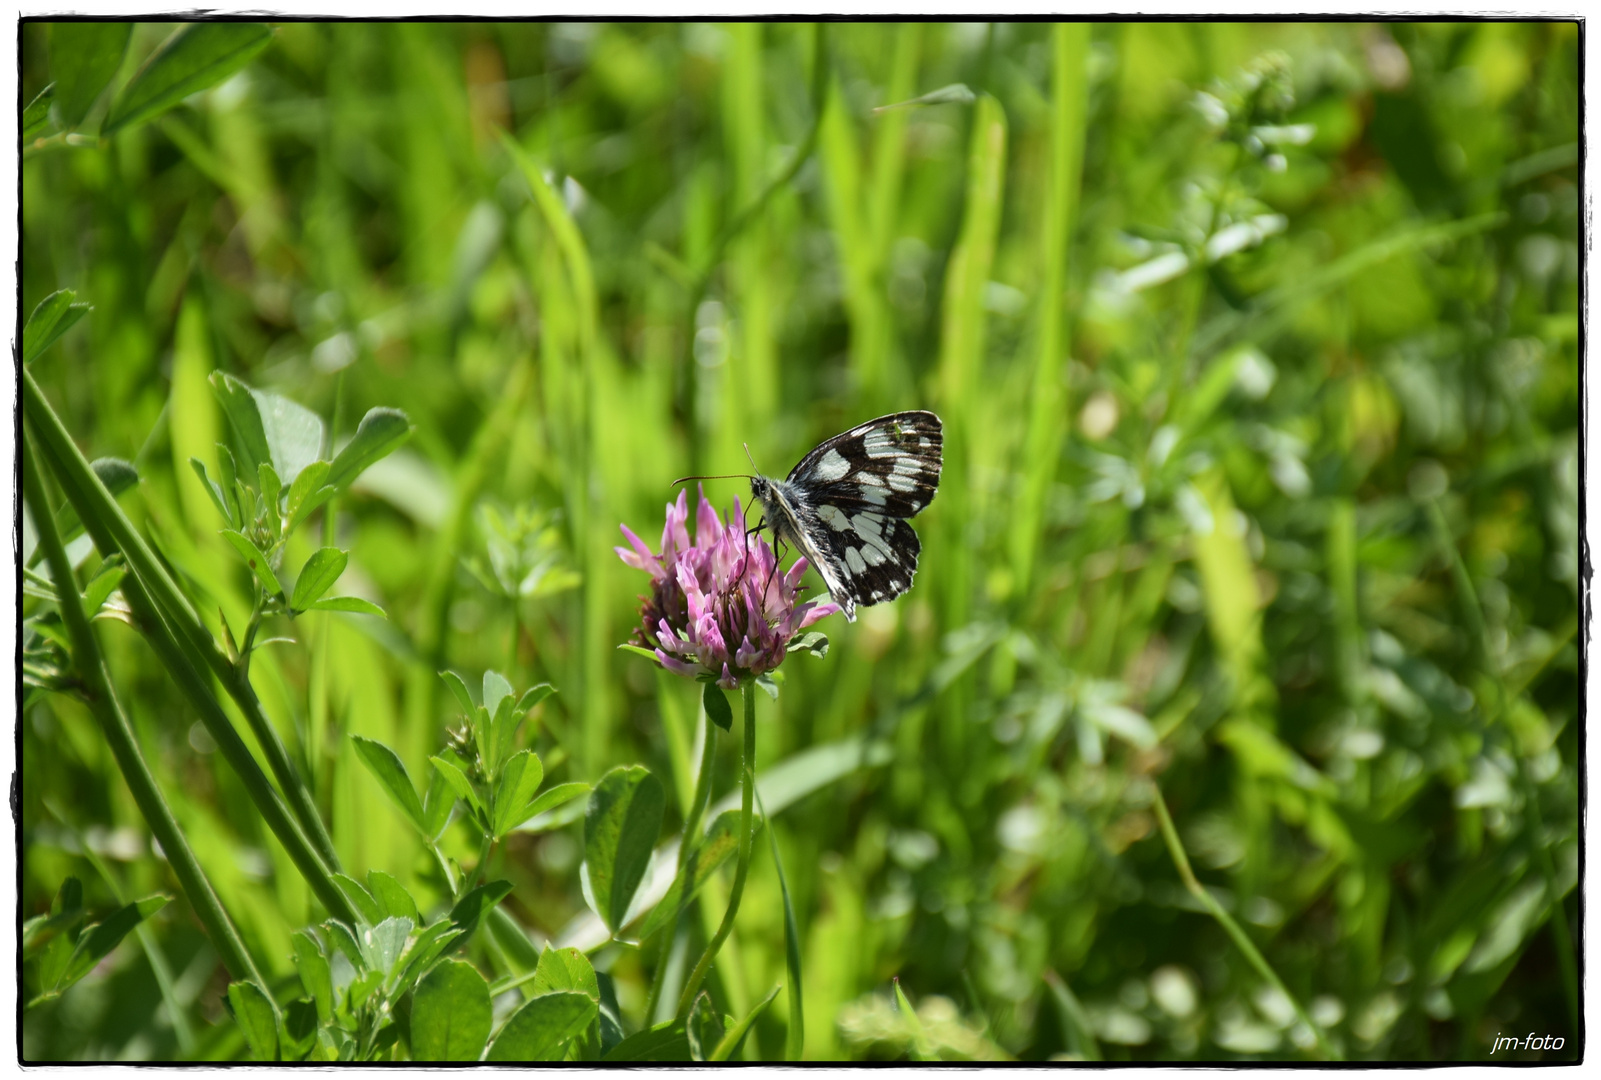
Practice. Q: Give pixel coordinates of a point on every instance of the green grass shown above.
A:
(1238, 687)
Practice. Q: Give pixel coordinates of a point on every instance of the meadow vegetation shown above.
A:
(1233, 713)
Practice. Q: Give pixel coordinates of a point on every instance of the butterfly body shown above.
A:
(845, 505)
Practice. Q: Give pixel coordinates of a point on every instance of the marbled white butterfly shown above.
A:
(845, 505)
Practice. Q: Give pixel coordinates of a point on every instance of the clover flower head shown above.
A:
(718, 607)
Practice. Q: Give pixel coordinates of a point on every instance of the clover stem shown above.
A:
(686, 845)
(747, 797)
(481, 871)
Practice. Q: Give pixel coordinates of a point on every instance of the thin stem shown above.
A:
(1182, 861)
(99, 512)
(481, 871)
(250, 635)
(181, 658)
(119, 735)
(59, 141)
(747, 799)
(687, 842)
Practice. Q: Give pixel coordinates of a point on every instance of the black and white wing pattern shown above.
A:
(846, 504)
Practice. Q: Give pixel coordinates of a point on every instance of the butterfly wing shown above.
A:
(889, 466)
(855, 491)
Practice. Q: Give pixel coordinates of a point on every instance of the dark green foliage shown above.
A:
(620, 829)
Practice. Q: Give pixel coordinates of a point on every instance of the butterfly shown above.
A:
(846, 503)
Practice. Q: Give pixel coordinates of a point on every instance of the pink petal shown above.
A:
(675, 665)
(675, 537)
(796, 572)
(814, 611)
(640, 558)
(708, 530)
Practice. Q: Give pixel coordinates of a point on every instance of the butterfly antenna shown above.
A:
(748, 455)
(721, 476)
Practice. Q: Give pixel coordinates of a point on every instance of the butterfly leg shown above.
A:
(778, 557)
(753, 529)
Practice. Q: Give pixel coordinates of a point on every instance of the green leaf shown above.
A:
(300, 1030)
(66, 911)
(214, 491)
(720, 843)
(716, 703)
(459, 690)
(96, 942)
(360, 899)
(268, 429)
(307, 493)
(228, 480)
(666, 1041)
(294, 434)
(559, 795)
(471, 909)
(384, 942)
(502, 727)
(495, 688)
(565, 969)
(954, 94)
(620, 829)
(253, 1012)
(391, 774)
(459, 784)
(249, 438)
(256, 560)
(520, 951)
(197, 57)
(704, 1028)
(84, 56)
(271, 490)
(392, 896)
(353, 605)
(812, 642)
(36, 117)
(646, 653)
(542, 1028)
(315, 975)
(436, 805)
(532, 697)
(731, 1040)
(380, 432)
(514, 793)
(318, 576)
(450, 1014)
(429, 944)
(52, 317)
(345, 941)
(768, 684)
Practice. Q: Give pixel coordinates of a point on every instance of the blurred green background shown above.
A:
(1261, 486)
